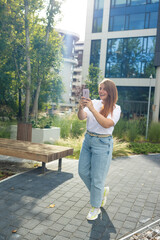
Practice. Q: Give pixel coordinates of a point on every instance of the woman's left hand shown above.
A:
(89, 104)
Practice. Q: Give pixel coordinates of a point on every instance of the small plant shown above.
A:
(75, 143)
(43, 122)
(120, 148)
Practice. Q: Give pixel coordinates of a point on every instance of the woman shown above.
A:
(96, 152)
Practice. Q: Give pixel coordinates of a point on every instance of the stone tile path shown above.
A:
(133, 202)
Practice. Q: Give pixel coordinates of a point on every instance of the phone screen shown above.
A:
(86, 93)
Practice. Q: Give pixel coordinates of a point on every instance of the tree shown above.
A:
(23, 47)
(53, 8)
(28, 80)
(93, 78)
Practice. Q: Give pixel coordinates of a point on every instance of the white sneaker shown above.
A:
(106, 192)
(93, 213)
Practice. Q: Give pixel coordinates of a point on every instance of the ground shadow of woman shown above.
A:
(102, 227)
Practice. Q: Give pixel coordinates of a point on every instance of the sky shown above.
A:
(74, 17)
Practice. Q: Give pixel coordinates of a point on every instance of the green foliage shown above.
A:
(144, 148)
(93, 78)
(154, 132)
(44, 55)
(120, 129)
(4, 129)
(130, 130)
(78, 128)
(70, 125)
(43, 122)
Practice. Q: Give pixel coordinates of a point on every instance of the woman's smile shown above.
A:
(102, 92)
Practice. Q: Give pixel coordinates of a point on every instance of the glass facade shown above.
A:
(133, 14)
(97, 16)
(122, 3)
(130, 57)
(95, 52)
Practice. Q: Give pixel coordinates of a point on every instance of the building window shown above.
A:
(95, 52)
(130, 57)
(98, 4)
(137, 2)
(153, 19)
(97, 25)
(136, 21)
(133, 21)
(97, 16)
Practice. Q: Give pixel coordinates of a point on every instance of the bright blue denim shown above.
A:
(94, 162)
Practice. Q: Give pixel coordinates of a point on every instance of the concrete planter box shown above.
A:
(39, 135)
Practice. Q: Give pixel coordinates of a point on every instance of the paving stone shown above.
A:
(70, 228)
(134, 195)
(30, 236)
(61, 238)
(39, 230)
(31, 224)
(44, 237)
(65, 233)
(51, 232)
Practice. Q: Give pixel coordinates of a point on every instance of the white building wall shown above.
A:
(104, 36)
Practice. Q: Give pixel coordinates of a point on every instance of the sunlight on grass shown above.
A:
(119, 149)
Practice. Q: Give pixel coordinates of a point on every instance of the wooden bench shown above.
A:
(34, 151)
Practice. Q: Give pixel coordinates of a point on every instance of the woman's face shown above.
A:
(102, 92)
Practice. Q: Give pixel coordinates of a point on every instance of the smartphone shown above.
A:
(86, 93)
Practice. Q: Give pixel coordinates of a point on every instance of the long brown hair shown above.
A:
(112, 97)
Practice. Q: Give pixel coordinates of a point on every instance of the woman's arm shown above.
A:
(104, 122)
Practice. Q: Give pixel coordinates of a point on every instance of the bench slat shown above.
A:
(33, 151)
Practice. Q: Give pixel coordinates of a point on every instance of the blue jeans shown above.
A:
(94, 162)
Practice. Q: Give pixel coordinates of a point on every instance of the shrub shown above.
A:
(132, 130)
(144, 148)
(154, 132)
(120, 129)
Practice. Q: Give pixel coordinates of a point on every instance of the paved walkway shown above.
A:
(134, 201)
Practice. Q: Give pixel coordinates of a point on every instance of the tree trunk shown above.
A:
(50, 9)
(35, 104)
(19, 91)
(28, 83)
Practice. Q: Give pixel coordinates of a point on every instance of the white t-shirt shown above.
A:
(94, 126)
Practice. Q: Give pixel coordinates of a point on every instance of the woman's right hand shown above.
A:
(82, 102)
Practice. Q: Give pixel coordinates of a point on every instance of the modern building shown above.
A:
(69, 61)
(120, 39)
(77, 73)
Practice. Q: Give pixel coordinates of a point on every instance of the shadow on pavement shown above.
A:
(21, 198)
(102, 227)
(35, 184)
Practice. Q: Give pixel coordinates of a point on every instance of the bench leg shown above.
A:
(60, 165)
(43, 167)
